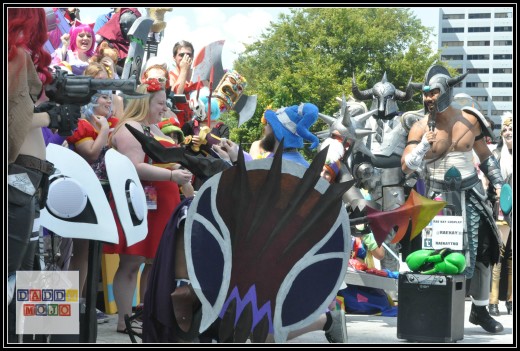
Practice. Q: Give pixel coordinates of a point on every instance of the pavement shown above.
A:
(365, 329)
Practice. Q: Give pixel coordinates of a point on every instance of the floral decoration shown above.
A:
(153, 85)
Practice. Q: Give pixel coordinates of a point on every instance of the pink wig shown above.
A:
(74, 31)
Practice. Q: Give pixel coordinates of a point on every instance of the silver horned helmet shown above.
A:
(438, 77)
(384, 96)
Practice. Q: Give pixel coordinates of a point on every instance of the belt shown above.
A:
(465, 184)
(32, 162)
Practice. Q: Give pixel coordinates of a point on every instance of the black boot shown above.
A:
(493, 309)
(509, 306)
(480, 316)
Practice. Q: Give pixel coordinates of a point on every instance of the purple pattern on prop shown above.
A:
(250, 296)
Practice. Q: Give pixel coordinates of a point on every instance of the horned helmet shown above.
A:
(438, 77)
(384, 96)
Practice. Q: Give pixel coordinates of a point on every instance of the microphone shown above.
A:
(431, 120)
(431, 125)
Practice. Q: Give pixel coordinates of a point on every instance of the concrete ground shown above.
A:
(363, 329)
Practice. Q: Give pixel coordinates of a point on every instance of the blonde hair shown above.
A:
(507, 119)
(94, 68)
(137, 109)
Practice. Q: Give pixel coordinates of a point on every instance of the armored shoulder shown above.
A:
(409, 118)
(484, 125)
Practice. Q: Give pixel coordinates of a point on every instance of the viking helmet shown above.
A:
(438, 77)
(384, 97)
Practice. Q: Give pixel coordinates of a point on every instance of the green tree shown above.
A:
(311, 54)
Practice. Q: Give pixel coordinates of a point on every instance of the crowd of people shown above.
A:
(183, 137)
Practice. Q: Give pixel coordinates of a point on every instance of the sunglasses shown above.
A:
(185, 53)
(161, 80)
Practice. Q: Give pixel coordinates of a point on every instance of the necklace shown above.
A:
(146, 130)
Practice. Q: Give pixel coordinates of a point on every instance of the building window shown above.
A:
(453, 30)
(451, 57)
(478, 29)
(479, 15)
(478, 57)
(504, 29)
(477, 84)
(503, 43)
(502, 98)
(503, 57)
(478, 43)
(502, 70)
(502, 85)
(478, 70)
(453, 43)
(480, 98)
(498, 112)
(504, 15)
(448, 16)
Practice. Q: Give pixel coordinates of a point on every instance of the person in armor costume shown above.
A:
(443, 141)
(380, 171)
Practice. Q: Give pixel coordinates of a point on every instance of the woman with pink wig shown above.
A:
(78, 47)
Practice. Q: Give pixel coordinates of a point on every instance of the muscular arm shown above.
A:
(481, 149)
(415, 145)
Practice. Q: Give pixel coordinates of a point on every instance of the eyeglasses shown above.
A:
(161, 80)
(185, 53)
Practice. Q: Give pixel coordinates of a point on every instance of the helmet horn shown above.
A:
(455, 80)
(360, 95)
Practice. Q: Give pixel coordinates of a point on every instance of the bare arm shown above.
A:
(184, 69)
(91, 149)
(378, 253)
(419, 140)
(128, 145)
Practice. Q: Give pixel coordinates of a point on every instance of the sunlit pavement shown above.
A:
(363, 329)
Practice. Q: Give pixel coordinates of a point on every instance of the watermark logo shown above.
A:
(47, 302)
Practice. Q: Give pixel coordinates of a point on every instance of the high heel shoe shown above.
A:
(509, 307)
(493, 309)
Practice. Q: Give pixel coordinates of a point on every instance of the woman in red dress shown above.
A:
(160, 179)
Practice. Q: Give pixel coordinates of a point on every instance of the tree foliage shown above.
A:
(311, 54)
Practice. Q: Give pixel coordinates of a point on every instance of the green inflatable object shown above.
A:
(436, 261)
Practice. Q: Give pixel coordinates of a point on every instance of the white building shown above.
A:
(479, 40)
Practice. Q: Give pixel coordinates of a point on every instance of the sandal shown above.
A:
(129, 330)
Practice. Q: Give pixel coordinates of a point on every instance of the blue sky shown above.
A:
(237, 25)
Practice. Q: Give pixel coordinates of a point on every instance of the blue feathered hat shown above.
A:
(292, 124)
